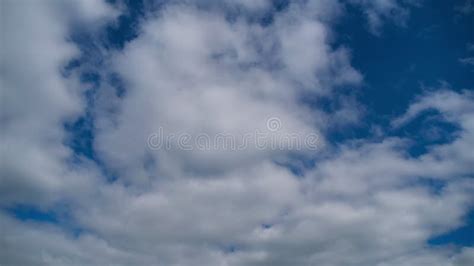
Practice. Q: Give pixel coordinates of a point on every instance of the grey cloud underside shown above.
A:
(192, 70)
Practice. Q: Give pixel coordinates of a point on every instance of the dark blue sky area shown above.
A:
(401, 60)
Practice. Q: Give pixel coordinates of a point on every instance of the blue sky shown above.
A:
(386, 86)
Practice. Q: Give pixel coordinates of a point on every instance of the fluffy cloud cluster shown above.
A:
(192, 70)
(37, 98)
(202, 69)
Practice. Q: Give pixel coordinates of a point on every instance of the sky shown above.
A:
(329, 132)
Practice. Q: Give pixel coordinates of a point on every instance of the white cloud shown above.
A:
(192, 70)
(37, 99)
(226, 77)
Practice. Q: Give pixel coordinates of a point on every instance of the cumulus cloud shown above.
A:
(193, 70)
(226, 77)
(36, 98)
